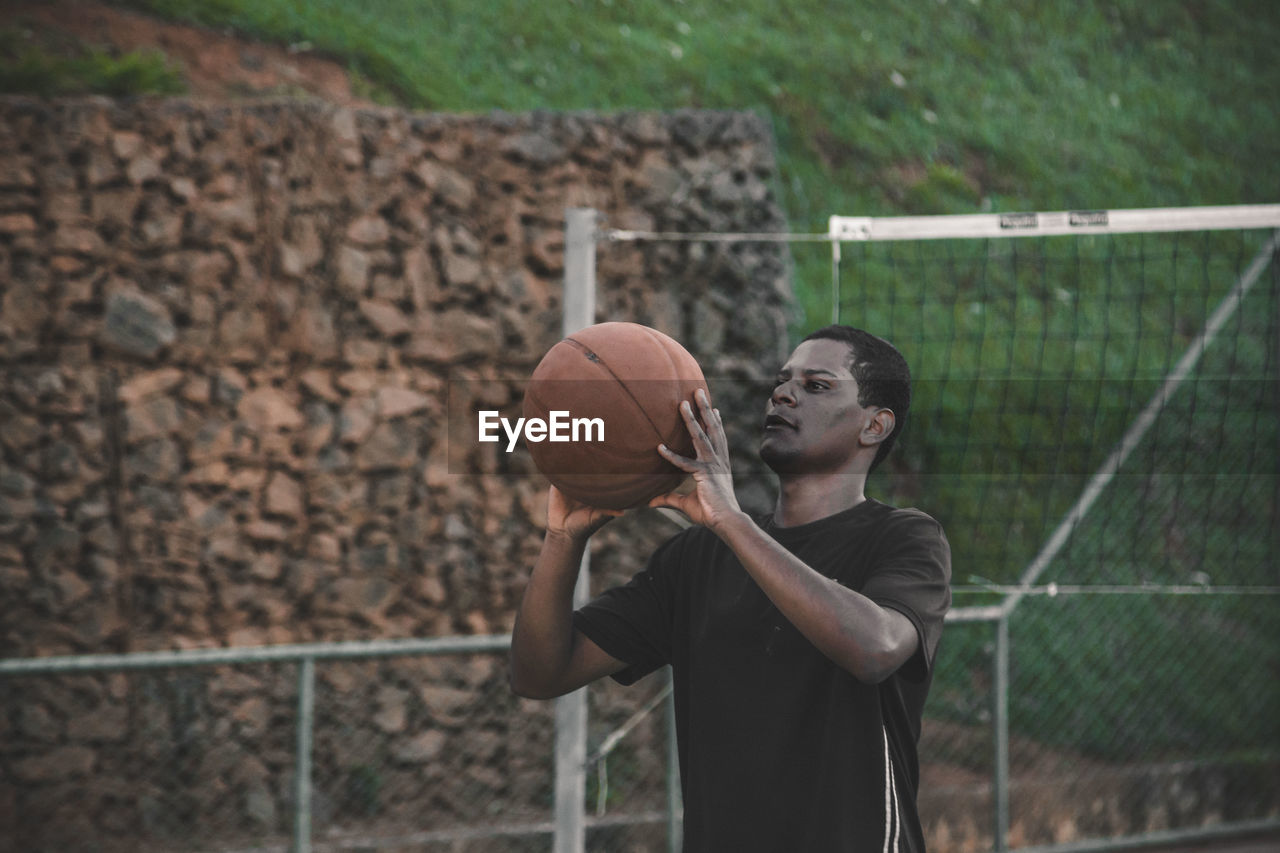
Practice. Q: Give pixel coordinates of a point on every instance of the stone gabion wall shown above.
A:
(230, 336)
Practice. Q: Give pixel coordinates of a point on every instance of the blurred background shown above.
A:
(255, 255)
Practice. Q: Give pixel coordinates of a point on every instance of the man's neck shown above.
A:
(803, 498)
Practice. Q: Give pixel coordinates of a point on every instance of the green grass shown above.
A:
(879, 109)
(39, 64)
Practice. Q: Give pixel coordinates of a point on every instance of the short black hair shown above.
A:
(884, 380)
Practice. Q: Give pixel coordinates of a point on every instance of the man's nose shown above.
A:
(783, 395)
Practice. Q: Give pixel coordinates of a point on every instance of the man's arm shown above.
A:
(865, 639)
(862, 637)
(549, 657)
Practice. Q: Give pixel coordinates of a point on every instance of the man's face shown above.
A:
(812, 419)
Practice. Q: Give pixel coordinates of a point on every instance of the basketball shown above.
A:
(614, 390)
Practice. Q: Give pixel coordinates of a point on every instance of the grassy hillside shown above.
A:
(879, 109)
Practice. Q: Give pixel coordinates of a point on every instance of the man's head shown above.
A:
(842, 391)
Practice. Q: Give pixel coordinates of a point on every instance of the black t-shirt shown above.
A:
(781, 750)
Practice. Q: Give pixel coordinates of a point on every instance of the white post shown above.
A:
(1000, 724)
(675, 800)
(302, 759)
(571, 710)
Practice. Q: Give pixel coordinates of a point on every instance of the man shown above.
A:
(801, 645)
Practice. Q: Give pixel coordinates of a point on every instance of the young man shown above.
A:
(801, 645)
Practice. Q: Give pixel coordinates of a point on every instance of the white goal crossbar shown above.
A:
(967, 226)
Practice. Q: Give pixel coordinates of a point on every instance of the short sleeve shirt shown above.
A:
(780, 748)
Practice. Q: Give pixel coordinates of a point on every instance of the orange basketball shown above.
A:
(612, 390)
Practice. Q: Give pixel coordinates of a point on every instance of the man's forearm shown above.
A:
(859, 635)
(542, 639)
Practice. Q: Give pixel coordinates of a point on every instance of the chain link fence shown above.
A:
(1137, 714)
(418, 752)
(1127, 693)
(1103, 424)
(403, 751)
(421, 752)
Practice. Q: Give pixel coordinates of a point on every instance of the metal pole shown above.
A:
(579, 310)
(835, 281)
(302, 760)
(571, 710)
(675, 833)
(571, 756)
(63, 664)
(1000, 725)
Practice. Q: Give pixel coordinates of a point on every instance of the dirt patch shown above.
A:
(215, 64)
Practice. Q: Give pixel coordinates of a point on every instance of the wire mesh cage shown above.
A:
(1096, 425)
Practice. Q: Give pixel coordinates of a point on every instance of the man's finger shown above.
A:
(696, 431)
(710, 414)
(683, 504)
(705, 409)
(668, 500)
(719, 436)
(684, 463)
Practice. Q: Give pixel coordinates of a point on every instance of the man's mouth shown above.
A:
(777, 422)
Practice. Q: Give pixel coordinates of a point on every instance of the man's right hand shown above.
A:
(549, 657)
(573, 519)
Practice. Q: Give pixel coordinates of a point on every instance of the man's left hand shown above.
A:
(712, 501)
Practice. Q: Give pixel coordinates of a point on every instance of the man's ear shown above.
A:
(879, 427)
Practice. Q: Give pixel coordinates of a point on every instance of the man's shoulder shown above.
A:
(887, 530)
(907, 517)
(912, 534)
(875, 517)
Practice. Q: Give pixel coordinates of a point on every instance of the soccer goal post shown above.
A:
(1096, 423)
(1101, 314)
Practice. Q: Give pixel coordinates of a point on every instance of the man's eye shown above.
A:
(814, 385)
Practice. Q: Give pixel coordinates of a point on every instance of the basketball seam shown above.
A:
(621, 383)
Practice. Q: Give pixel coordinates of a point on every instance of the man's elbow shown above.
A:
(874, 659)
(873, 667)
(872, 673)
(528, 691)
(525, 687)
